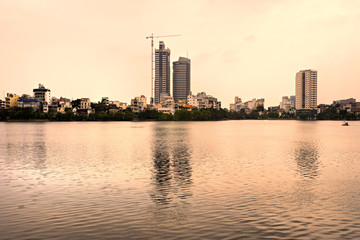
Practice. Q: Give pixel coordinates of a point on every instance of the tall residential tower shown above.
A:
(162, 72)
(306, 89)
(181, 79)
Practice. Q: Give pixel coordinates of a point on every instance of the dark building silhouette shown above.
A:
(162, 71)
(181, 79)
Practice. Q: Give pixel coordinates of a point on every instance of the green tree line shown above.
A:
(105, 114)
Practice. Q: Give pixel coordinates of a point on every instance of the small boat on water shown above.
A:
(345, 124)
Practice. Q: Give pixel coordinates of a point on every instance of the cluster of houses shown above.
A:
(349, 105)
(248, 106)
(42, 101)
(287, 105)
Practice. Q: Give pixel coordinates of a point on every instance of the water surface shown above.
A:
(180, 180)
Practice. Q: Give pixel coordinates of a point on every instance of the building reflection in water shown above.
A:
(306, 156)
(172, 168)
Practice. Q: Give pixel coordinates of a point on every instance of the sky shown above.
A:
(250, 49)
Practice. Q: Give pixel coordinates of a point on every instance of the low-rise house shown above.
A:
(105, 100)
(118, 104)
(11, 100)
(138, 104)
(248, 105)
(85, 107)
(60, 105)
(355, 107)
(202, 100)
(2, 104)
(43, 94)
(237, 105)
(35, 104)
(286, 104)
(166, 100)
(167, 110)
(343, 101)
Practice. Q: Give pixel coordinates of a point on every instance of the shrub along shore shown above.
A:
(28, 114)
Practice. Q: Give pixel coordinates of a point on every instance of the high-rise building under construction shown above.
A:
(162, 71)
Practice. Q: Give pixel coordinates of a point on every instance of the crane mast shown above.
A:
(152, 61)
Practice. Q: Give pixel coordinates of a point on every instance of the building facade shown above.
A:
(237, 105)
(306, 90)
(162, 71)
(2, 104)
(35, 104)
(11, 100)
(286, 104)
(138, 104)
(202, 101)
(43, 94)
(293, 101)
(85, 103)
(181, 79)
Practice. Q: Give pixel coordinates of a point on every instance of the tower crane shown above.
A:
(152, 59)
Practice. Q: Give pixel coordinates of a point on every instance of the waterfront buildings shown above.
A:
(85, 107)
(237, 105)
(11, 100)
(118, 104)
(138, 104)
(162, 71)
(344, 101)
(2, 104)
(248, 105)
(355, 107)
(166, 100)
(202, 100)
(43, 94)
(60, 105)
(85, 103)
(181, 79)
(286, 104)
(293, 101)
(105, 100)
(35, 104)
(306, 90)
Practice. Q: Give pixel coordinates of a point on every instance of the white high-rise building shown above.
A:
(306, 89)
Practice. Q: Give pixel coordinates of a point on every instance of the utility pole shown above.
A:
(152, 61)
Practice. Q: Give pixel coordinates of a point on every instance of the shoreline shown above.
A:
(151, 120)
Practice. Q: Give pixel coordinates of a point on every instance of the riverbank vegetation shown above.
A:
(23, 114)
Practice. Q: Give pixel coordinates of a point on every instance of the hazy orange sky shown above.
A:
(252, 49)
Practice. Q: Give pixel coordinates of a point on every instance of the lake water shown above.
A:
(180, 180)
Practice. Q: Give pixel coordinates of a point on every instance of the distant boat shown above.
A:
(345, 124)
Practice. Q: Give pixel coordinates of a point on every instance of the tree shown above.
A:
(76, 103)
(260, 108)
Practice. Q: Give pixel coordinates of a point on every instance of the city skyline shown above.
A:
(94, 49)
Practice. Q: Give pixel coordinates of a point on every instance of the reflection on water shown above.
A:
(172, 169)
(30, 150)
(186, 182)
(306, 156)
